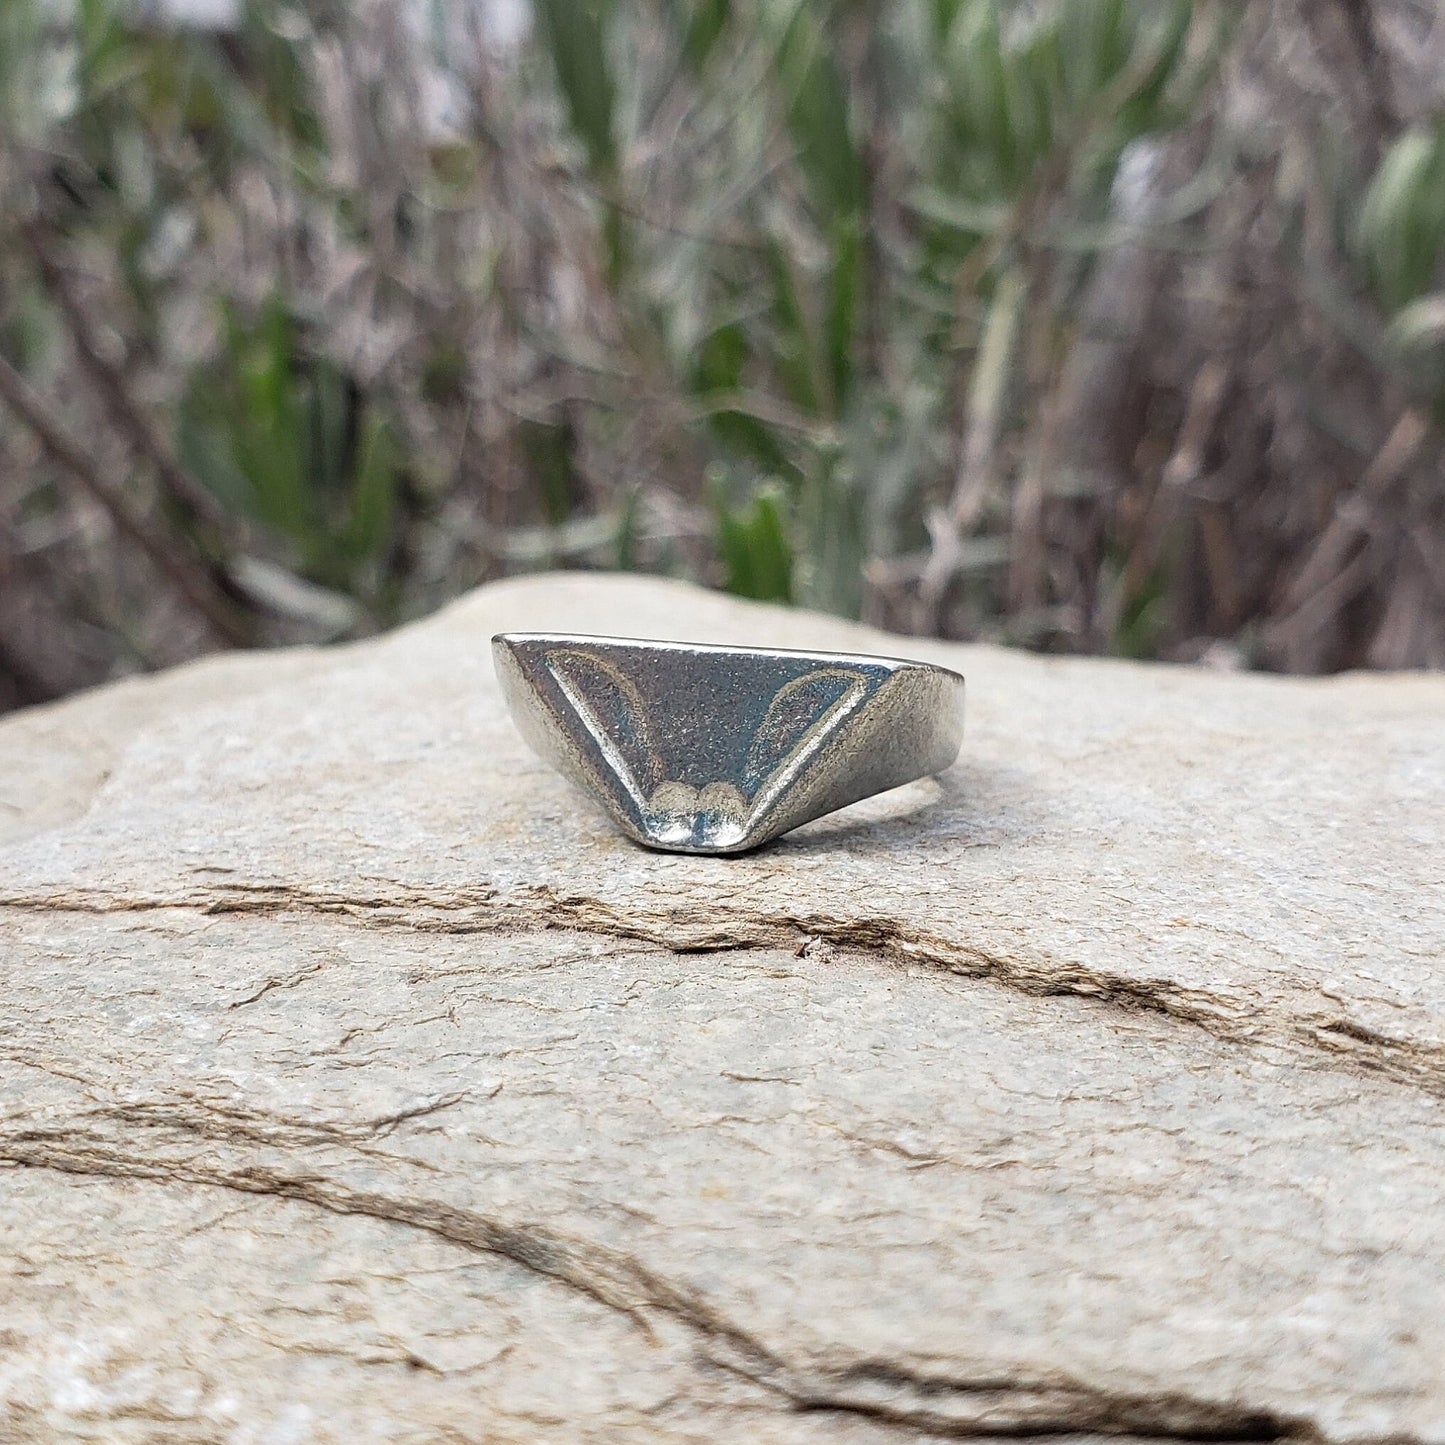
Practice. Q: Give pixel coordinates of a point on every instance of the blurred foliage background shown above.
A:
(1089, 325)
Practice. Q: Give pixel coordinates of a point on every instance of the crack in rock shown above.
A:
(889, 1392)
(1005, 1406)
(540, 908)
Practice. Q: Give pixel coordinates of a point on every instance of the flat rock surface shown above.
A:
(357, 1082)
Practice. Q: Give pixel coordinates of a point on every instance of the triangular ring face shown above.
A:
(708, 749)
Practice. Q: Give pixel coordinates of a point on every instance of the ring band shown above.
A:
(693, 748)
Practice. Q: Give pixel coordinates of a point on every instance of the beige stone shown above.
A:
(357, 1082)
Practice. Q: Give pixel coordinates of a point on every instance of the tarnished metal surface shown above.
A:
(700, 749)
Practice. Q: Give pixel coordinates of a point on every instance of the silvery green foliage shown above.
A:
(1065, 322)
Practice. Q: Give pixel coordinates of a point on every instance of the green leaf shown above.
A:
(943, 14)
(575, 37)
(753, 544)
(718, 373)
(329, 410)
(373, 492)
(1093, 47)
(994, 365)
(206, 449)
(976, 218)
(101, 32)
(1141, 628)
(1001, 95)
(818, 116)
(1402, 219)
(844, 303)
(1160, 40)
(792, 333)
(1029, 75)
(548, 448)
(747, 437)
(628, 539)
(1420, 325)
(1416, 338)
(271, 436)
(720, 360)
(700, 23)
(833, 528)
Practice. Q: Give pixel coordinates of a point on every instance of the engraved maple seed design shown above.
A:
(717, 813)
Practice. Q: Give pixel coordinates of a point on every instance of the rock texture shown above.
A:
(357, 1082)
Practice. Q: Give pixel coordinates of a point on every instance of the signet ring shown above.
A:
(693, 748)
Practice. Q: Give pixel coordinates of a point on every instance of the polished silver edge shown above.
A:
(867, 659)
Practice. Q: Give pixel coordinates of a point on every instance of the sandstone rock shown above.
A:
(356, 1081)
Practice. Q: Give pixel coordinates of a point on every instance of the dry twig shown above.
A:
(190, 579)
(125, 412)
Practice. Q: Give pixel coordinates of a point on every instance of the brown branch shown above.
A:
(1352, 514)
(1373, 67)
(189, 578)
(1202, 409)
(1339, 566)
(126, 414)
(27, 685)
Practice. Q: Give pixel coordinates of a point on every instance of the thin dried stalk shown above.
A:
(124, 411)
(1181, 472)
(190, 579)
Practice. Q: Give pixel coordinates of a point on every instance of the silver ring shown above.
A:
(698, 749)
